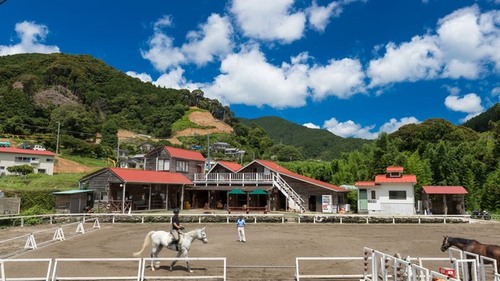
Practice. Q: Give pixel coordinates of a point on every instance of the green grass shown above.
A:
(91, 162)
(41, 181)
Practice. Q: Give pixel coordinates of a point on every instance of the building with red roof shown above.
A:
(391, 193)
(42, 161)
(175, 177)
(284, 189)
(444, 199)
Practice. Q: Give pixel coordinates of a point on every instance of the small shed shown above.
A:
(447, 200)
(74, 201)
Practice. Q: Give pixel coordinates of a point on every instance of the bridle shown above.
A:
(445, 245)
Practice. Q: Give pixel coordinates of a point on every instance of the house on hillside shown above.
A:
(42, 161)
(391, 193)
(447, 200)
(177, 160)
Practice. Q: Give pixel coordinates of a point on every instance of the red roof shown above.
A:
(26, 151)
(444, 190)
(233, 166)
(143, 176)
(395, 169)
(365, 183)
(184, 153)
(402, 179)
(277, 168)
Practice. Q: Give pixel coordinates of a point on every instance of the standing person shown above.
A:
(240, 224)
(176, 227)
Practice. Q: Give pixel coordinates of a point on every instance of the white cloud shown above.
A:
(342, 78)
(214, 39)
(393, 124)
(311, 125)
(349, 129)
(496, 91)
(32, 35)
(269, 20)
(470, 103)
(175, 79)
(202, 46)
(465, 44)
(319, 16)
(144, 77)
(162, 53)
(247, 78)
(411, 61)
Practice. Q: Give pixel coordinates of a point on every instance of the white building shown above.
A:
(42, 161)
(390, 194)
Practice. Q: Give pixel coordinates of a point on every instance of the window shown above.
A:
(373, 194)
(42, 171)
(163, 165)
(22, 159)
(50, 160)
(397, 194)
(2, 167)
(182, 166)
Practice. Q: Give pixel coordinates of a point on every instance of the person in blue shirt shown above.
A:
(240, 225)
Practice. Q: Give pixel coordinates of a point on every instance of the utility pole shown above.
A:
(57, 141)
(208, 153)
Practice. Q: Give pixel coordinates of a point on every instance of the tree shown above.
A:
(21, 169)
(110, 134)
(289, 153)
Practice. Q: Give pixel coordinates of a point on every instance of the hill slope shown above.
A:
(315, 143)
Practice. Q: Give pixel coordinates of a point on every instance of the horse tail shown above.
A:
(147, 242)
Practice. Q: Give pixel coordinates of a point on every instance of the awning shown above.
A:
(236, 191)
(258, 191)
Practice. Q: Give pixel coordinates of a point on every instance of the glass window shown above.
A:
(397, 194)
(374, 194)
(182, 166)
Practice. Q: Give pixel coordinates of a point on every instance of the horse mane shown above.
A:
(461, 240)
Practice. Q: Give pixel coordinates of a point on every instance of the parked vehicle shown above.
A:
(483, 214)
(38, 147)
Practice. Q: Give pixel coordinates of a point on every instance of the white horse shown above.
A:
(160, 239)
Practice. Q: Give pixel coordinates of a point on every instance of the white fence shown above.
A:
(17, 245)
(62, 269)
(380, 266)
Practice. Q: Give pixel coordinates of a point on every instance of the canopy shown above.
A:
(236, 191)
(258, 191)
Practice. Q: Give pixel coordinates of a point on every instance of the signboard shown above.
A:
(10, 206)
(326, 203)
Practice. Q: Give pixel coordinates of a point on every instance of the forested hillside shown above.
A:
(84, 97)
(436, 151)
(312, 143)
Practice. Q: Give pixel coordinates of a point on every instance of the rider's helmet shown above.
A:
(176, 210)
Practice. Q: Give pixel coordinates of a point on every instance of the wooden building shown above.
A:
(447, 200)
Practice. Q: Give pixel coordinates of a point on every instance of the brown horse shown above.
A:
(473, 246)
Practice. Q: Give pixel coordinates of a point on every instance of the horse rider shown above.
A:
(176, 227)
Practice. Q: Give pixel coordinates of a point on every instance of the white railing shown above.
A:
(222, 275)
(233, 178)
(288, 191)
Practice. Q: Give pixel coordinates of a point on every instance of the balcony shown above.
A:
(232, 179)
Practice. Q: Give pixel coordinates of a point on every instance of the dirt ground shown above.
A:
(268, 254)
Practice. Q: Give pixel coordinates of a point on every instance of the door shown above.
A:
(362, 201)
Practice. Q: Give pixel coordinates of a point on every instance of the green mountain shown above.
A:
(481, 123)
(314, 143)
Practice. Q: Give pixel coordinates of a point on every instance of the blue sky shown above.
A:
(353, 67)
